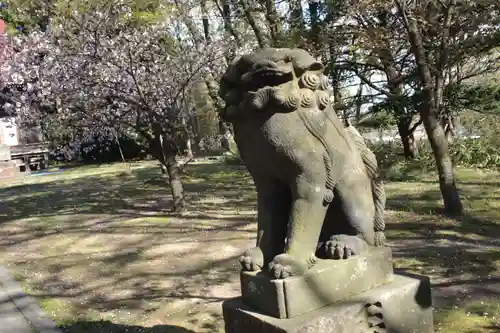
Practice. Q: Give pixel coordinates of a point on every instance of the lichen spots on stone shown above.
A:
(252, 287)
(360, 268)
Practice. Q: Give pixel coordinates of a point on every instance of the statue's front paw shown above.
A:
(344, 246)
(252, 259)
(284, 265)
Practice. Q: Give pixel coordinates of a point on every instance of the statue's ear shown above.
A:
(316, 66)
(304, 61)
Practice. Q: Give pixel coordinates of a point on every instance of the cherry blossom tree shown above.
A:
(98, 75)
(5, 54)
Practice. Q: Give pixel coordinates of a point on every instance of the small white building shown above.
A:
(9, 131)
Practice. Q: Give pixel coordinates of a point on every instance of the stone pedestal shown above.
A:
(400, 306)
(329, 281)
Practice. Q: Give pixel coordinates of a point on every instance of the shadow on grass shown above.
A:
(184, 293)
(464, 251)
(461, 254)
(109, 327)
(145, 192)
(465, 182)
(118, 278)
(463, 261)
(480, 217)
(129, 264)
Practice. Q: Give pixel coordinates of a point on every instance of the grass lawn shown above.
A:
(100, 250)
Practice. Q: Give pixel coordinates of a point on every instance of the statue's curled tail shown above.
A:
(378, 191)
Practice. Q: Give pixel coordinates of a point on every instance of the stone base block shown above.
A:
(329, 281)
(402, 306)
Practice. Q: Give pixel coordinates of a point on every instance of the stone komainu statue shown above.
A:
(318, 188)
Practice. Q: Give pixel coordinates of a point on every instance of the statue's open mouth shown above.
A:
(272, 74)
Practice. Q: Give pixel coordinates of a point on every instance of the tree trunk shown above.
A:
(164, 150)
(429, 109)
(449, 125)
(358, 103)
(175, 181)
(190, 24)
(189, 136)
(437, 138)
(314, 17)
(274, 23)
(410, 147)
(128, 169)
(296, 16)
(225, 11)
(259, 35)
(225, 134)
(189, 148)
(406, 133)
(204, 19)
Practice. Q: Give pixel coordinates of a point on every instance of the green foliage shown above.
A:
(24, 16)
(481, 153)
(387, 153)
(381, 118)
(393, 111)
(483, 98)
(478, 153)
(472, 153)
(477, 147)
(144, 17)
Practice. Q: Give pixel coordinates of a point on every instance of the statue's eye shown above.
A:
(288, 59)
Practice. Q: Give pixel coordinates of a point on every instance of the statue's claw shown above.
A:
(344, 246)
(284, 265)
(252, 259)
